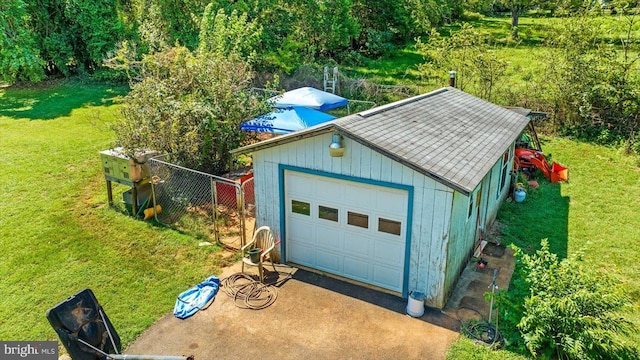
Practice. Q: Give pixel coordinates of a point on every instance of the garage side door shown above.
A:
(347, 228)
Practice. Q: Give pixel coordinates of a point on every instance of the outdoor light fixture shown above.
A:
(336, 149)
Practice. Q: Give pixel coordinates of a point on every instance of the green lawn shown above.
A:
(596, 212)
(58, 236)
(522, 55)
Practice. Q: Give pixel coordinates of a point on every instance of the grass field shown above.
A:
(595, 213)
(524, 55)
(57, 234)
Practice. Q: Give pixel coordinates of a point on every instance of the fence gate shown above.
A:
(204, 204)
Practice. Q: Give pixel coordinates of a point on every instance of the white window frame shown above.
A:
(506, 160)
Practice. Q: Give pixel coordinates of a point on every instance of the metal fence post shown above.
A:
(240, 199)
(214, 209)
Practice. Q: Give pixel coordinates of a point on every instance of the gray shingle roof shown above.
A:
(447, 134)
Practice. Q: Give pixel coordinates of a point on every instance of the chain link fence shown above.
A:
(216, 208)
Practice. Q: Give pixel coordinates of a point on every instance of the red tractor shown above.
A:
(529, 155)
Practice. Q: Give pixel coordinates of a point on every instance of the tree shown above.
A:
(517, 7)
(19, 56)
(426, 14)
(468, 52)
(232, 35)
(74, 35)
(190, 104)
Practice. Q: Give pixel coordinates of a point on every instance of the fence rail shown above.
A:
(219, 208)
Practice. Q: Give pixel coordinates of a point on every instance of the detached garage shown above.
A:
(400, 202)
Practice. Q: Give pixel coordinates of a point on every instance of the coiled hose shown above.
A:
(482, 331)
(248, 293)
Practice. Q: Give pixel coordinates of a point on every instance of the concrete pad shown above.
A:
(467, 302)
(314, 317)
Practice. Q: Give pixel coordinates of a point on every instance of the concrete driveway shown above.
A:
(314, 317)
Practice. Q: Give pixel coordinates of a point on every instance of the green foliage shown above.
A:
(470, 53)
(594, 85)
(334, 27)
(288, 56)
(383, 16)
(427, 14)
(232, 35)
(178, 19)
(190, 104)
(571, 310)
(74, 35)
(378, 43)
(19, 56)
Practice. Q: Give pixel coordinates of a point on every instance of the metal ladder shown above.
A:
(330, 80)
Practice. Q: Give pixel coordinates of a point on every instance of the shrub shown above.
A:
(378, 43)
(571, 311)
(190, 104)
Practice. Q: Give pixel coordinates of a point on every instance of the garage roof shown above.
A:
(447, 134)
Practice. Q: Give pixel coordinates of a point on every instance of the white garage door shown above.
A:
(347, 228)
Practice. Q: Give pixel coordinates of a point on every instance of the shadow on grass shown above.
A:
(55, 99)
(543, 214)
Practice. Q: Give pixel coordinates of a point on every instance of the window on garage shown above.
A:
(503, 174)
(389, 226)
(301, 207)
(327, 213)
(356, 219)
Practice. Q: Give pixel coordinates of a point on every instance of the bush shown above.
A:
(190, 104)
(379, 43)
(571, 311)
(471, 16)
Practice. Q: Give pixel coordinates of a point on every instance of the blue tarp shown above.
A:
(284, 121)
(309, 97)
(194, 299)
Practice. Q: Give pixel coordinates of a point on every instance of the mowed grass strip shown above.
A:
(57, 234)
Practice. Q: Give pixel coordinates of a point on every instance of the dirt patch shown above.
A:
(493, 250)
(494, 233)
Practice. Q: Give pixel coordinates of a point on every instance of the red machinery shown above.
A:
(529, 157)
(528, 160)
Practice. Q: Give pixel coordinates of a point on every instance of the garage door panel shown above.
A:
(302, 253)
(391, 202)
(298, 184)
(302, 231)
(388, 252)
(387, 277)
(359, 195)
(356, 269)
(328, 237)
(341, 233)
(328, 260)
(328, 190)
(357, 244)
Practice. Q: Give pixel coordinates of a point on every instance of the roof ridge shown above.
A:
(393, 105)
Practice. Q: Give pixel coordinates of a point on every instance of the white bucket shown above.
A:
(415, 305)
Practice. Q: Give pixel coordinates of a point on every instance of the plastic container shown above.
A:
(415, 305)
(254, 255)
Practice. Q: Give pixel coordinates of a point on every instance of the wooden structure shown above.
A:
(402, 205)
(118, 167)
